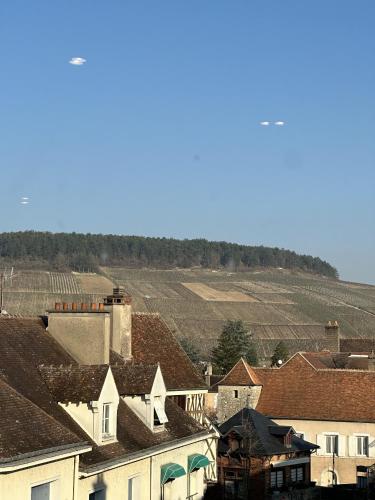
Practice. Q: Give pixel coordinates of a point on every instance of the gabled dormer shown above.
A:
(89, 395)
(143, 389)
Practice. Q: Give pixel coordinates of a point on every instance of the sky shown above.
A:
(158, 133)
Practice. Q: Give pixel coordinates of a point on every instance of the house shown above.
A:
(258, 458)
(329, 406)
(89, 402)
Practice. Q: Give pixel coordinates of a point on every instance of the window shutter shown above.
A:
(352, 446)
(321, 441)
(342, 446)
(371, 446)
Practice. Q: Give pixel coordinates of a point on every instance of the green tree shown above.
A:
(190, 349)
(280, 353)
(234, 342)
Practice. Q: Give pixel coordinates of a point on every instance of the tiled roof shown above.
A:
(25, 428)
(133, 435)
(153, 342)
(134, 379)
(265, 435)
(74, 384)
(357, 345)
(299, 390)
(241, 374)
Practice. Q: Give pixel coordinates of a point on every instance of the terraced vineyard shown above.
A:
(274, 304)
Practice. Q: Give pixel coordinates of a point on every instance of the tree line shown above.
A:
(89, 251)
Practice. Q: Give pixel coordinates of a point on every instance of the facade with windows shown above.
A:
(87, 412)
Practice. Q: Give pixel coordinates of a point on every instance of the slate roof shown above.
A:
(74, 383)
(298, 390)
(265, 437)
(153, 342)
(134, 379)
(25, 428)
(241, 374)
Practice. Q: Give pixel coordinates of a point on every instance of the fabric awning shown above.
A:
(197, 461)
(171, 471)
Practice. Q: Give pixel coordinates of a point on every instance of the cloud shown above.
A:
(280, 123)
(24, 202)
(265, 124)
(24, 198)
(77, 61)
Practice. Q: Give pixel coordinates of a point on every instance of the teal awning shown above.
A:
(197, 461)
(171, 471)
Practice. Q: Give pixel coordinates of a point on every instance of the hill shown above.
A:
(274, 303)
(73, 251)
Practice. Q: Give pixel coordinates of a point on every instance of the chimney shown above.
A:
(332, 334)
(208, 374)
(119, 305)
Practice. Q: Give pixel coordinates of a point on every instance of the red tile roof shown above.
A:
(153, 342)
(241, 374)
(299, 390)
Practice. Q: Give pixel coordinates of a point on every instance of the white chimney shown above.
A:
(119, 305)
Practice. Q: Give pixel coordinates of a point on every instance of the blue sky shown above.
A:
(158, 133)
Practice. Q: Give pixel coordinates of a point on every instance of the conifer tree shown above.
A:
(234, 342)
(281, 353)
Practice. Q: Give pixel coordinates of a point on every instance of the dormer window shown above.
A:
(106, 420)
(160, 417)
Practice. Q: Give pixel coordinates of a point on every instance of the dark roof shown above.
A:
(134, 436)
(153, 342)
(357, 345)
(264, 437)
(25, 428)
(134, 379)
(74, 384)
(299, 390)
(240, 374)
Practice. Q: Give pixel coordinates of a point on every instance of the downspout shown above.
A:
(151, 476)
(75, 477)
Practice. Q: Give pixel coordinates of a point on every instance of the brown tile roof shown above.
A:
(241, 374)
(25, 428)
(134, 436)
(357, 345)
(153, 342)
(299, 390)
(134, 379)
(74, 384)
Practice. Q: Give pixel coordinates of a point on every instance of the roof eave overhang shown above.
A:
(146, 453)
(43, 456)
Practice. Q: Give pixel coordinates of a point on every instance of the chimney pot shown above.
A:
(65, 306)
(57, 306)
(93, 306)
(83, 306)
(101, 306)
(74, 306)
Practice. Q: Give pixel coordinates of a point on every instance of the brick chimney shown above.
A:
(332, 335)
(119, 305)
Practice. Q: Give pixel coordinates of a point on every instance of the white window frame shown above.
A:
(107, 420)
(54, 488)
(134, 493)
(337, 437)
(359, 435)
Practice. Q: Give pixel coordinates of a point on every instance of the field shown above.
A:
(274, 304)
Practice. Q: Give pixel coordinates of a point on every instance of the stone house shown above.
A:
(89, 411)
(329, 406)
(258, 458)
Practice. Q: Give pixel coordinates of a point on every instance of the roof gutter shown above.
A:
(43, 456)
(140, 455)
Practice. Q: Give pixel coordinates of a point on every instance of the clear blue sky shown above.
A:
(158, 133)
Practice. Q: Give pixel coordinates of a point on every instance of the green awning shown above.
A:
(171, 471)
(197, 461)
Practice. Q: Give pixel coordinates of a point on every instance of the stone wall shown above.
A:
(232, 398)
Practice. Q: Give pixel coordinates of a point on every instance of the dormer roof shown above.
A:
(241, 374)
(75, 384)
(132, 379)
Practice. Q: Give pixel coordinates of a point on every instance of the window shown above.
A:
(235, 394)
(277, 478)
(134, 492)
(361, 482)
(332, 444)
(106, 419)
(41, 492)
(160, 417)
(362, 445)
(296, 474)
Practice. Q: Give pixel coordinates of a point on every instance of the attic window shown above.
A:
(106, 419)
(160, 417)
